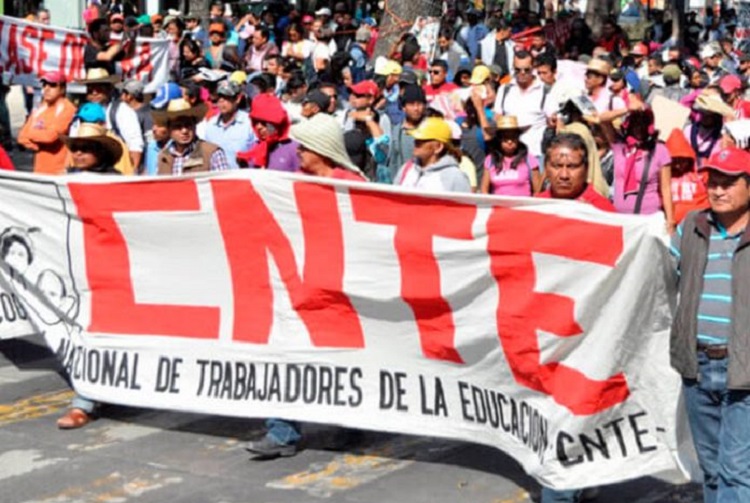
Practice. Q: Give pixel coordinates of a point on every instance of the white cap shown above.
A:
(325, 11)
(709, 50)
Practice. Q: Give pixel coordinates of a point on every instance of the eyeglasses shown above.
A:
(523, 70)
(436, 72)
(220, 33)
(50, 84)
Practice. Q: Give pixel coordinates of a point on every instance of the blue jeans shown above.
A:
(86, 405)
(282, 432)
(556, 496)
(720, 423)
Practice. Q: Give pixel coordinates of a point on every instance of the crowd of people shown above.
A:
(482, 110)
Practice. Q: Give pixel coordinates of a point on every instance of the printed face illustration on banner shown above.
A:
(257, 295)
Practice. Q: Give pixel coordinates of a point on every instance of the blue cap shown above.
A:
(92, 112)
(166, 93)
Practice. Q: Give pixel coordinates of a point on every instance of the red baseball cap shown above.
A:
(730, 83)
(365, 88)
(731, 160)
(53, 78)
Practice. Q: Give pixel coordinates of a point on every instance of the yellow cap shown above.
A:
(390, 67)
(239, 77)
(479, 75)
(432, 128)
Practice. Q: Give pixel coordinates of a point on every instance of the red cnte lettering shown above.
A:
(251, 234)
(27, 64)
(113, 306)
(144, 62)
(418, 220)
(13, 50)
(47, 34)
(513, 236)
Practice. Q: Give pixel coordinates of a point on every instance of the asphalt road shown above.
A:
(145, 455)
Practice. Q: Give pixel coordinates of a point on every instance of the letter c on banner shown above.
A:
(513, 236)
(114, 309)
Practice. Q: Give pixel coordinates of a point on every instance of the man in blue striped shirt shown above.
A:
(710, 341)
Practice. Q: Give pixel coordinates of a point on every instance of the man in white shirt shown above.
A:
(121, 119)
(527, 98)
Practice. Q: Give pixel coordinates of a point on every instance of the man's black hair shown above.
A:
(97, 25)
(571, 141)
(546, 59)
(441, 63)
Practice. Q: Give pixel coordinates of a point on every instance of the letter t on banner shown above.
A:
(420, 274)
(513, 236)
(113, 306)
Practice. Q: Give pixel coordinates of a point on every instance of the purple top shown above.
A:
(283, 157)
(652, 197)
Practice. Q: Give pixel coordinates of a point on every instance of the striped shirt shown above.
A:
(715, 305)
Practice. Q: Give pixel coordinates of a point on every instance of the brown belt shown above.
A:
(714, 352)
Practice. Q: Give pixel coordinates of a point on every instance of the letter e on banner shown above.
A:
(513, 236)
(251, 233)
(113, 306)
(420, 273)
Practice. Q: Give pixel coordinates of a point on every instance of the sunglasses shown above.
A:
(436, 72)
(50, 84)
(220, 33)
(523, 70)
(85, 148)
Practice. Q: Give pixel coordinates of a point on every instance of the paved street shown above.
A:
(141, 456)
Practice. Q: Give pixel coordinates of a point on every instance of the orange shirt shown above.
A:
(688, 194)
(41, 134)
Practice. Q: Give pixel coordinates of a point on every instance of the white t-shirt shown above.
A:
(531, 107)
(130, 128)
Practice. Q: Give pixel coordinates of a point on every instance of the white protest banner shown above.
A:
(539, 327)
(27, 50)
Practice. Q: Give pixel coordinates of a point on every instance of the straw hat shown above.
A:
(599, 66)
(99, 76)
(179, 108)
(323, 135)
(710, 102)
(96, 134)
(509, 123)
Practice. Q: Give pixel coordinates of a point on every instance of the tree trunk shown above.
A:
(405, 11)
(599, 10)
(198, 7)
(677, 8)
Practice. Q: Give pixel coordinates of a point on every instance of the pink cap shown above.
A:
(731, 160)
(53, 78)
(307, 18)
(730, 83)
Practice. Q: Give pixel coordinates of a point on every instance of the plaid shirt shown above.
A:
(218, 159)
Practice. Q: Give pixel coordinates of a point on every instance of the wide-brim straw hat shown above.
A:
(99, 76)
(323, 135)
(599, 66)
(710, 102)
(179, 108)
(96, 134)
(507, 123)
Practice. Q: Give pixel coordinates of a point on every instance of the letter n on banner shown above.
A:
(113, 306)
(513, 236)
(420, 273)
(251, 233)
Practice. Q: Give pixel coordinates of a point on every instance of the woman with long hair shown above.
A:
(509, 169)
